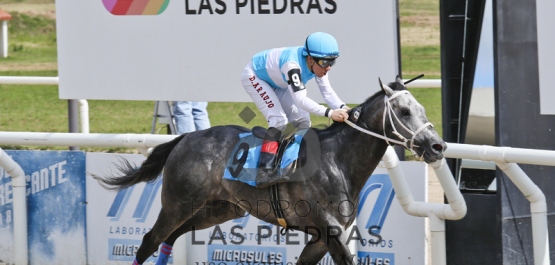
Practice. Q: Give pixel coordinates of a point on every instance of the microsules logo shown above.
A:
(135, 7)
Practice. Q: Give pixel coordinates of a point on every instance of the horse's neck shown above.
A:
(357, 154)
(368, 150)
(366, 160)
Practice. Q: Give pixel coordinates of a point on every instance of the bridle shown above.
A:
(388, 109)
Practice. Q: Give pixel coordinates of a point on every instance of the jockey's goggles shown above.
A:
(324, 62)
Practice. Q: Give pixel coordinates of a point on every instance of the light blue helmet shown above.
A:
(321, 45)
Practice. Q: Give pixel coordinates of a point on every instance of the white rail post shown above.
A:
(4, 39)
(505, 158)
(437, 232)
(451, 190)
(19, 187)
(438, 213)
(84, 115)
(29, 80)
(4, 17)
(538, 209)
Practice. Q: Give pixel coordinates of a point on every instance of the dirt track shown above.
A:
(435, 195)
(435, 191)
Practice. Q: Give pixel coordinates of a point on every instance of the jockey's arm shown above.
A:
(329, 94)
(298, 91)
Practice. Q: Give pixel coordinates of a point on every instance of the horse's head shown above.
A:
(400, 119)
(405, 119)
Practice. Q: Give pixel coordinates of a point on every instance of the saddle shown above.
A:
(242, 164)
(284, 141)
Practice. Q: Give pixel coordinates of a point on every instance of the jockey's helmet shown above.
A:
(321, 45)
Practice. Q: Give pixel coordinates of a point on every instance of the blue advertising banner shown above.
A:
(55, 206)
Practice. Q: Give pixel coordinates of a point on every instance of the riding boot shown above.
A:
(267, 171)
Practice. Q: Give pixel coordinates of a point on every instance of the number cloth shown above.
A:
(243, 162)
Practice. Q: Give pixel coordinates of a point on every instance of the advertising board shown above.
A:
(546, 55)
(196, 49)
(55, 207)
(118, 220)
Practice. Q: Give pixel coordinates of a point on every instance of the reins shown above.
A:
(406, 143)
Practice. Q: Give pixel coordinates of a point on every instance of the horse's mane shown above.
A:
(397, 86)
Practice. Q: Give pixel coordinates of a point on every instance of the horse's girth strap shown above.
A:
(274, 201)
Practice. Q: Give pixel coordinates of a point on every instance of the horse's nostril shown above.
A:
(438, 147)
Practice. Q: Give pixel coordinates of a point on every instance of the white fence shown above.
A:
(40, 80)
(506, 158)
(84, 105)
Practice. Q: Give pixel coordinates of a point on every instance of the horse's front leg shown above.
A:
(335, 239)
(312, 253)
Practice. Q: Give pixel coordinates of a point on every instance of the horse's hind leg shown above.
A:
(213, 214)
(337, 247)
(167, 222)
(312, 253)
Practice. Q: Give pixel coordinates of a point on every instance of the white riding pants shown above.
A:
(277, 105)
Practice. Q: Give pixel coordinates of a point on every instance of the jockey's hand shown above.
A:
(345, 107)
(339, 115)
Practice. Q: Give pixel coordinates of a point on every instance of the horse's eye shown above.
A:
(405, 112)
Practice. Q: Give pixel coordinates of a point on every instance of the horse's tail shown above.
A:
(149, 170)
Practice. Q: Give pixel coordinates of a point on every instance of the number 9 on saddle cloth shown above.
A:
(242, 165)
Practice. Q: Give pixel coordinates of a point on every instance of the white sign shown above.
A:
(390, 235)
(546, 55)
(117, 221)
(196, 49)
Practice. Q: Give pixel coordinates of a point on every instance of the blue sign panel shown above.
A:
(55, 204)
(237, 255)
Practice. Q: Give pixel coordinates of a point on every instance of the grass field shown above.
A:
(36, 108)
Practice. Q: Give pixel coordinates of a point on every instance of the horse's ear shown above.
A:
(399, 80)
(388, 91)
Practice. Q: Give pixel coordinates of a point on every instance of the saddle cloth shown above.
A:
(242, 165)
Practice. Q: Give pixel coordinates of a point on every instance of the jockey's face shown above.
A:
(318, 70)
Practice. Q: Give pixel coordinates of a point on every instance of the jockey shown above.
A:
(275, 80)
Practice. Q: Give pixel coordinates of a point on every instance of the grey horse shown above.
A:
(328, 186)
